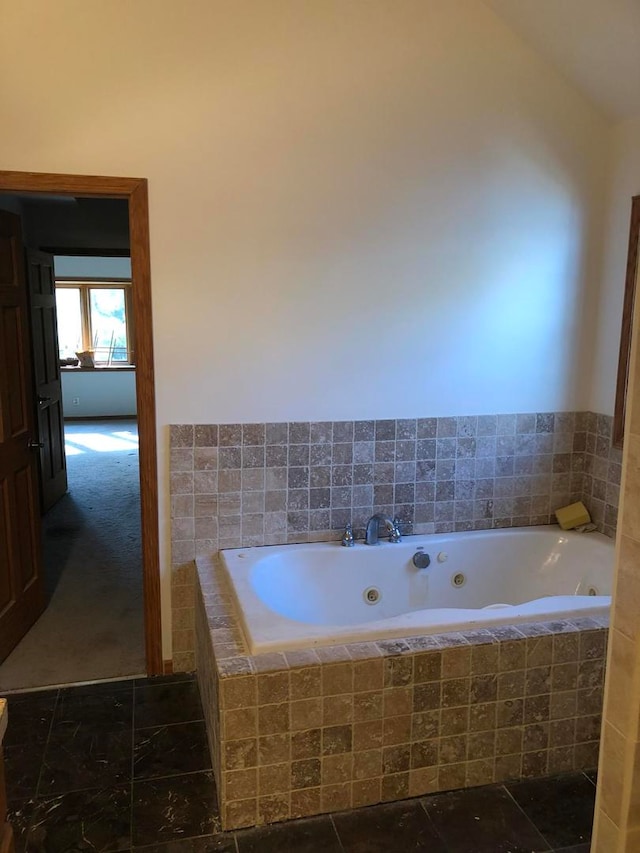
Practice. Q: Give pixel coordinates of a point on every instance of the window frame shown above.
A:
(85, 286)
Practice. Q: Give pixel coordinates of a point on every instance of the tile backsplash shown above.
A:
(236, 485)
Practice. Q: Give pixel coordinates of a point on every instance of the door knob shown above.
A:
(44, 400)
(35, 445)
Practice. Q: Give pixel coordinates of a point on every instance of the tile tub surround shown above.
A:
(313, 731)
(602, 471)
(238, 485)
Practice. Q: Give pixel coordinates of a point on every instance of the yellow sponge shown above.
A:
(573, 515)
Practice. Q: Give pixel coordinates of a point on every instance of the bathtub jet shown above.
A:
(297, 596)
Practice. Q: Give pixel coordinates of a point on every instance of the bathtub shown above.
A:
(299, 596)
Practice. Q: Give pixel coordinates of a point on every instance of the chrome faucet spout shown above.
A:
(372, 532)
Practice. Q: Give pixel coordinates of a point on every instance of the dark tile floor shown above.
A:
(125, 766)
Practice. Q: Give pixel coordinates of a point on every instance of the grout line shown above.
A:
(133, 736)
(169, 725)
(46, 745)
(174, 775)
(533, 824)
(335, 829)
(429, 818)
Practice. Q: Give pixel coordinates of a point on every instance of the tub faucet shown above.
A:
(373, 529)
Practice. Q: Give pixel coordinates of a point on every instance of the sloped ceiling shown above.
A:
(595, 44)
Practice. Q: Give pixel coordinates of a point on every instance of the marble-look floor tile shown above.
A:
(300, 836)
(561, 807)
(483, 820)
(22, 765)
(19, 815)
(101, 712)
(170, 750)
(97, 820)
(394, 826)
(163, 704)
(83, 758)
(30, 716)
(175, 807)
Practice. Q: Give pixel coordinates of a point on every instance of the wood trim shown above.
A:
(627, 323)
(94, 282)
(168, 667)
(89, 186)
(135, 191)
(146, 404)
(65, 251)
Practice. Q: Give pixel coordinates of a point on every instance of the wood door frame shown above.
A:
(624, 356)
(135, 191)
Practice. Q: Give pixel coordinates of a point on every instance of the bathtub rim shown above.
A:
(530, 612)
(233, 658)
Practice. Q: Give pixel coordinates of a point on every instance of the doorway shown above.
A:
(134, 192)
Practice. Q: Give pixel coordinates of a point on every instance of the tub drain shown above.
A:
(372, 595)
(459, 579)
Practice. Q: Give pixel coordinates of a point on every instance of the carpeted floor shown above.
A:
(93, 625)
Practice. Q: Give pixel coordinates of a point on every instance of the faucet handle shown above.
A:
(348, 540)
(395, 535)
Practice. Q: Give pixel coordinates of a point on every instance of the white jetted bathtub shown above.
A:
(296, 596)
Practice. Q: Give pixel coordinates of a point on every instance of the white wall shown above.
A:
(100, 393)
(625, 183)
(358, 209)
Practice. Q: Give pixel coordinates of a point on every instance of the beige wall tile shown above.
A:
(239, 814)
(337, 768)
(238, 692)
(241, 784)
(630, 509)
(240, 754)
(306, 683)
(366, 792)
(240, 724)
(612, 771)
(272, 808)
(367, 675)
(367, 706)
(633, 815)
(273, 749)
(337, 678)
(622, 689)
(305, 802)
(627, 592)
(273, 719)
(306, 714)
(273, 688)
(606, 834)
(336, 797)
(306, 744)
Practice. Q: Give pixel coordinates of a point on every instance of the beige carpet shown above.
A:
(93, 626)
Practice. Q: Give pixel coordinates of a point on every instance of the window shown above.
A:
(95, 316)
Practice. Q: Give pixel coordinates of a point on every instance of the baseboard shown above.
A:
(167, 667)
